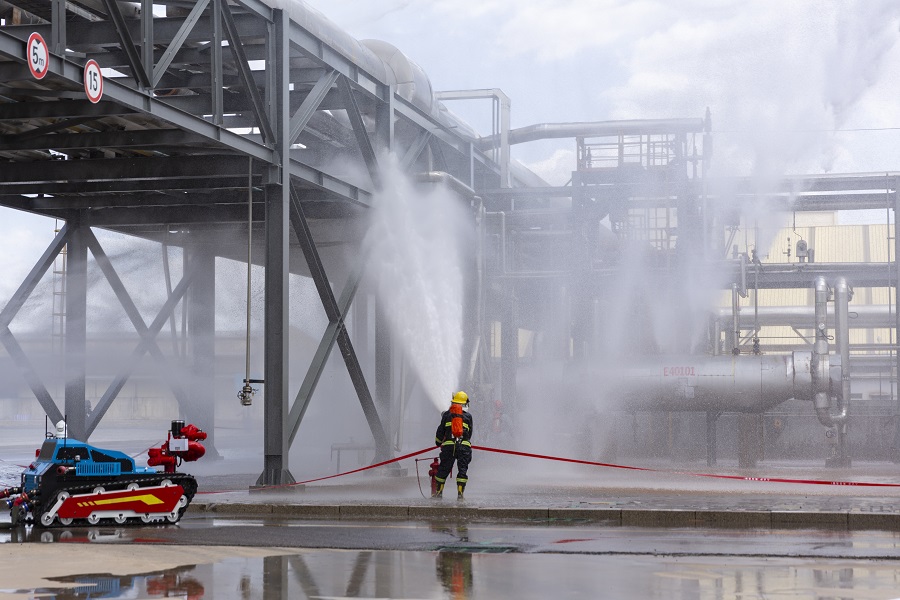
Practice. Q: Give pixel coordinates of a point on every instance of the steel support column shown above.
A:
(277, 322)
(76, 330)
(200, 409)
(58, 27)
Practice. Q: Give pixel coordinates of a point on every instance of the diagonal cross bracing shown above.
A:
(134, 59)
(359, 129)
(335, 332)
(243, 65)
(31, 377)
(310, 104)
(175, 45)
(147, 339)
(132, 311)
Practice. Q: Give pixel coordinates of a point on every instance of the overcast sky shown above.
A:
(785, 81)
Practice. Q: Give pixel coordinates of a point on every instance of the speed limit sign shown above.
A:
(93, 81)
(38, 55)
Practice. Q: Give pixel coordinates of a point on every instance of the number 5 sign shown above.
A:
(93, 81)
(38, 55)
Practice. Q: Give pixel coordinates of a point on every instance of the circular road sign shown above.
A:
(38, 55)
(93, 81)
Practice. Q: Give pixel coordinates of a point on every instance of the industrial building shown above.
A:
(646, 301)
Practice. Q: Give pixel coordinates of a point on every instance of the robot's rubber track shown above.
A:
(187, 483)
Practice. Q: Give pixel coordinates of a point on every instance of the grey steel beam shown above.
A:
(143, 345)
(276, 468)
(240, 58)
(134, 100)
(336, 331)
(414, 150)
(330, 184)
(382, 445)
(175, 45)
(60, 109)
(359, 129)
(88, 36)
(62, 195)
(310, 104)
(134, 315)
(174, 216)
(31, 376)
(160, 168)
(327, 56)
(147, 45)
(332, 332)
(258, 8)
(34, 276)
(104, 139)
(58, 27)
(75, 344)
(134, 59)
(216, 71)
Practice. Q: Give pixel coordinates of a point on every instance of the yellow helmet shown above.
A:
(460, 398)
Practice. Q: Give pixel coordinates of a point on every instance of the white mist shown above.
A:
(416, 264)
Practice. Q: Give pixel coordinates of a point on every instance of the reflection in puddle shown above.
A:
(174, 583)
(453, 574)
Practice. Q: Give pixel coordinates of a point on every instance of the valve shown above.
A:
(246, 393)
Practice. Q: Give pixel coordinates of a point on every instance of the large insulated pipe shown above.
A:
(705, 383)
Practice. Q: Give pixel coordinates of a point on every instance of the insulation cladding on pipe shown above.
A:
(711, 383)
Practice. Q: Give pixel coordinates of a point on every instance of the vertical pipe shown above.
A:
(509, 350)
(820, 352)
(711, 450)
(842, 335)
(249, 266)
(735, 320)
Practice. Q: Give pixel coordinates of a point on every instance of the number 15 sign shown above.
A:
(93, 81)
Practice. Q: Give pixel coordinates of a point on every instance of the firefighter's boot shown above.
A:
(460, 488)
(438, 489)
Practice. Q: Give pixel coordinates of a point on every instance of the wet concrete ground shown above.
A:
(525, 530)
(451, 560)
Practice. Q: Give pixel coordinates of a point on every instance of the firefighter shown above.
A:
(454, 434)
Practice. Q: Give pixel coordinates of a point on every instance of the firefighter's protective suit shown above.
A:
(454, 448)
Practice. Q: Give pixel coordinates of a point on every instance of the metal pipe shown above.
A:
(448, 180)
(864, 316)
(542, 131)
(842, 334)
(699, 383)
(736, 322)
